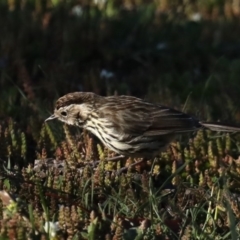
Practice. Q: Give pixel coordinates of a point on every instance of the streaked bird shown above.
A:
(128, 125)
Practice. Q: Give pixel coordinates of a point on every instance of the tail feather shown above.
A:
(219, 127)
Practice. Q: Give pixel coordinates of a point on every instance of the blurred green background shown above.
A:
(180, 53)
(185, 54)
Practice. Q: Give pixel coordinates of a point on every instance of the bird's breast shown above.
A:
(124, 144)
(108, 136)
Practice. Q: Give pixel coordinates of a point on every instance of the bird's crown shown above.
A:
(74, 98)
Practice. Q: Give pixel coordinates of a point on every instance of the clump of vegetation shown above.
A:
(55, 182)
(192, 190)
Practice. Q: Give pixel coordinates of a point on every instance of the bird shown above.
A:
(127, 125)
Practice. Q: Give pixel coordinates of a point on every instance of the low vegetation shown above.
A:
(55, 182)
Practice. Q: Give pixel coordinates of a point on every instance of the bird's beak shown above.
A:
(51, 118)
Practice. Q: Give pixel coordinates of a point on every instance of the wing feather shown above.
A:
(134, 116)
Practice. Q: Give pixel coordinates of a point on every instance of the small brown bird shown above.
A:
(128, 125)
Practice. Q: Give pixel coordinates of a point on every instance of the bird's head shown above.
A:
(74, 108)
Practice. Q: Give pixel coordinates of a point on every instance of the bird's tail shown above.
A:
(219, 127)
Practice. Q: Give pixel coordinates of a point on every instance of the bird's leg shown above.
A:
(112, 159)
(130, 166)
(116, 158)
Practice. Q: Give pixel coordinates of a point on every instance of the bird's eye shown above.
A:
(63, 113)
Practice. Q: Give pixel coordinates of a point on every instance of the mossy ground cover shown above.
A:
(181, 54)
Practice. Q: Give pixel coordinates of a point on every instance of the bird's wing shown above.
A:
(167, 119)
(135, 116)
